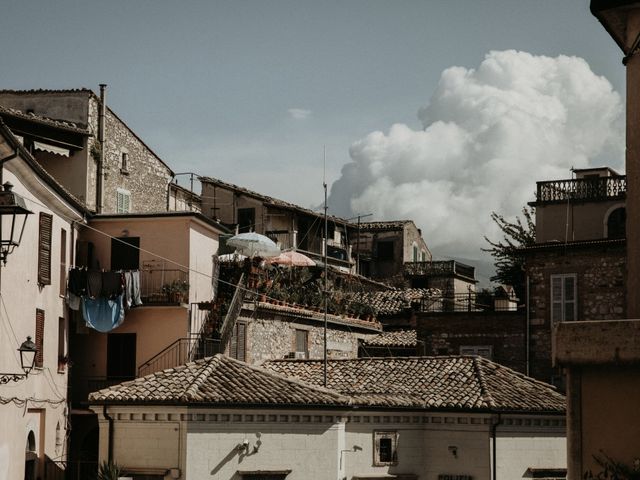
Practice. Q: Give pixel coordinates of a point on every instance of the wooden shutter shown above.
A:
(569, 291)
(241, 341)
(39, 337)
(63, 261)
(44, 249)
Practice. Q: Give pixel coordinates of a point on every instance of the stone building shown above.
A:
(88, 149)
(383, 248)
(266, 331)
(576, 268)
(290, 226)
(417, 418)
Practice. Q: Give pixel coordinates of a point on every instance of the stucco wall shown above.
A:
(326, 444)
(576, 221)
(21, 297)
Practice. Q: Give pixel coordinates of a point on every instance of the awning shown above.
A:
(45, 147)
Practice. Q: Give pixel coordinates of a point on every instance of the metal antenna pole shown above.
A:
(326, 224)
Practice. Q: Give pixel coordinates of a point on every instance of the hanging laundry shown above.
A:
(78, 281)
(132, 288)
(103, 314)
(94, 284)
(111, 284)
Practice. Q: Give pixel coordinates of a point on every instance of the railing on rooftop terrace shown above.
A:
(601, 188)
(181, 351)
(159, 284)
(470, 302)
(446, 267)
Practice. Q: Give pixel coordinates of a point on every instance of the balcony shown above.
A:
(470, 302)
(439, 268)
(163, 286)
(586, 189)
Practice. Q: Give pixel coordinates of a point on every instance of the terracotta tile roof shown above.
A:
(401, 338)
(447, 383)
(218, 380)
(61, 124)
(392, 302)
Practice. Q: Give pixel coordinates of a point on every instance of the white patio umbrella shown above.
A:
(254, 245)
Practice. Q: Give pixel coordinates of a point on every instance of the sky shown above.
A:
(438, 111)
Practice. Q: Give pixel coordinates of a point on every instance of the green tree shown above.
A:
(509, 260)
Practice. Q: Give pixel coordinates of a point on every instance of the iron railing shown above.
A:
(159, 284)
(445, 267)
(233, 313)
(470, 302)
(601, 188)
(180, 351)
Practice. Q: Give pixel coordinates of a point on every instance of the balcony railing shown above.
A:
(181, 351)
(470, 302)
(447, 267)
(162, 285)
(601, 188)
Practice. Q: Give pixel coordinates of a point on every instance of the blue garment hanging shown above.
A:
(103, 314)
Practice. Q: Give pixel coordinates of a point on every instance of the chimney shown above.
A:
(101, 140)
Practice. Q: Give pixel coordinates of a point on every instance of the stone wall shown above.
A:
(600, 272)
(275, 338)
(146, 176)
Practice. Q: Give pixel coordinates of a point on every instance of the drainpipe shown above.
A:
(101, 140)
(110, 445)
(495, 421)
(528, 329)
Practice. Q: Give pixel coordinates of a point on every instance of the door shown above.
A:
(121, 356)
(125, 253)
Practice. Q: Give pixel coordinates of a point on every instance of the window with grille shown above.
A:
(385, 448)
(123, 201)
(564, 291)
(39, 338)
(44, 249)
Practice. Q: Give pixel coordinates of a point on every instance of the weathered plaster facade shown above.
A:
(193, 443)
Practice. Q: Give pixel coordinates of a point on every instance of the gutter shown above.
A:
(110, 444)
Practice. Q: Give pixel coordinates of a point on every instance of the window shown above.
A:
(44, 249)
(423, 256)
(237, 345)
(385, 250)
(302, 344)
(124, 160)
(563, 297)
(39, 337)
(63, 261)
(485, 351)
(385, 445)
(125, 253)
(616, 223)
(415, 252)
(123, 201)
(62, 361)
(246, 219)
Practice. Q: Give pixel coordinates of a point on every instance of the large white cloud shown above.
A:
(489, 134)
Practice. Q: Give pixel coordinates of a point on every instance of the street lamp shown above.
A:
(12, 204)
(28, 352)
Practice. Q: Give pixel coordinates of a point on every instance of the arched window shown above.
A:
(616, 223)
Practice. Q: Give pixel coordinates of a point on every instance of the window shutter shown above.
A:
(39, 337)
(241, 341)
(556, 299)
(44, 249)
(569, 299)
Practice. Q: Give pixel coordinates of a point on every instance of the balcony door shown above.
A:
(121, 356)
(125, 253)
